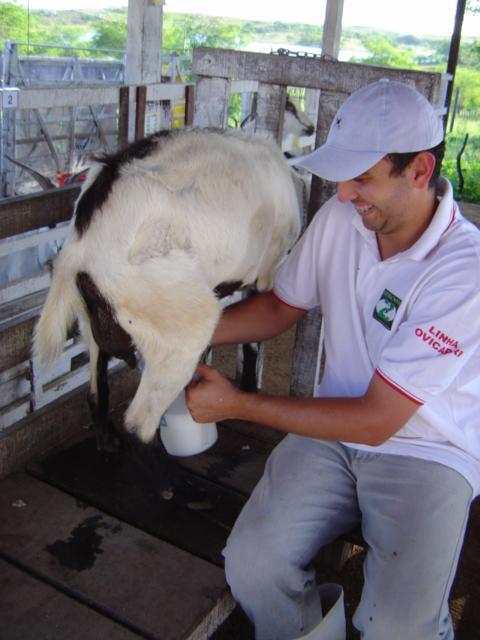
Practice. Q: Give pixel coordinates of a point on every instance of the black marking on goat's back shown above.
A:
(97, 193)
(108, 334)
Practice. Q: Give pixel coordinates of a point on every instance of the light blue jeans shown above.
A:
(413, 515)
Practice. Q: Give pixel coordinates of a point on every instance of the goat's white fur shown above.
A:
(203, 208)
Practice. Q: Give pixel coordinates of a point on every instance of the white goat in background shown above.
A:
(158, 228)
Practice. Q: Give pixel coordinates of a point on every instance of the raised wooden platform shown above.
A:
(89, 549)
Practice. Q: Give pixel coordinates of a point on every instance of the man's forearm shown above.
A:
(369, 419)
(346, 419)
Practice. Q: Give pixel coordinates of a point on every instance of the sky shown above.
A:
(417, 17)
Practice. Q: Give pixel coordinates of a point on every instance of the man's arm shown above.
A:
(259, 317)
(370, 419)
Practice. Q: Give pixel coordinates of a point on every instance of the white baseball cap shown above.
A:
(381, 118)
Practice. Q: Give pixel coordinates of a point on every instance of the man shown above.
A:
(391, 439)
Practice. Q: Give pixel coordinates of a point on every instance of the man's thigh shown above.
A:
(305, 499)
(414, 515)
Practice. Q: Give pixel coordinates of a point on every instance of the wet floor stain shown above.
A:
(80, 551)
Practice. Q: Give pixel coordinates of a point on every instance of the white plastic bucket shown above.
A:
(181, 435)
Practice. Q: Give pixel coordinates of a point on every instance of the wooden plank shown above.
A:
(21, 309)
(312, 73)
(45, 209)
(15, 290)
(129, 487)
(153, 587)
(166, 91)
(33, 610)
(236, 460)
(15, 343)
(34, 240)
(54, 97)
(271, 99)
(211, 102)
(268, 435)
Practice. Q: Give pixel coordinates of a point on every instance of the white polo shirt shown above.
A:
(414, 319)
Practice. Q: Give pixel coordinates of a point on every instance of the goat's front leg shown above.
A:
(162, 380)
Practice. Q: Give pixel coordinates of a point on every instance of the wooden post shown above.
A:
(141, 103)
(332, 28)
(453, 53)
(308, 343)
(189, 104)
(123, 116)
(144, 41)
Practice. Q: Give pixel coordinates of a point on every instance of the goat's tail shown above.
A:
(58, 315)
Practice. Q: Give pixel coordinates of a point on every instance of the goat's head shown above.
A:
(297, 122)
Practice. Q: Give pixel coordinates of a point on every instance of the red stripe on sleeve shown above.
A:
(398, 388)
(292, 306)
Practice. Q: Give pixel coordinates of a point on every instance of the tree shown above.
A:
(383, 53)
(185, 32)
(15, 23)
(111, 33)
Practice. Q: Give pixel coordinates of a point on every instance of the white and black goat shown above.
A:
(159, 229)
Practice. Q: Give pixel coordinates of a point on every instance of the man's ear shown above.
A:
(421, 169)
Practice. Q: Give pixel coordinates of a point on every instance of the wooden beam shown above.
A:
(311, 73)
(44, 209)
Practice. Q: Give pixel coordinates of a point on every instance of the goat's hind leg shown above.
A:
(108, 440)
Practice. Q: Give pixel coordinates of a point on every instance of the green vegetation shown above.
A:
(182, 32)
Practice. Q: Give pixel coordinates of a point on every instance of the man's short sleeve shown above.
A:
(297, 279)
(437, 342)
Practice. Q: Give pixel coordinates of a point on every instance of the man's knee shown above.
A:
(249, 560)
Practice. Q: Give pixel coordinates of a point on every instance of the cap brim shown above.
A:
(337, 164)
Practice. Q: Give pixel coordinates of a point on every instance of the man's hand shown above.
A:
(212, 397)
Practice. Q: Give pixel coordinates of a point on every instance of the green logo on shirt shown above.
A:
(386, 309)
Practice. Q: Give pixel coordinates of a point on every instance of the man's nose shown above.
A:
(346, 191)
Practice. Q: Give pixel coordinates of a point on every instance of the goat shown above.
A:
(158, 230)
(298, 129)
